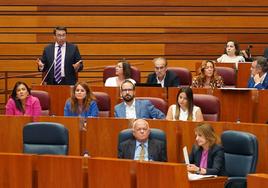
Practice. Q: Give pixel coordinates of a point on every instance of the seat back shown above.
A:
(159, 103)
(109, 71)
(44, 99)
(154, 134)
(45, 138)
(104, 103)
(184, 75)
(241, 156)
(210, 106)
(228, 75)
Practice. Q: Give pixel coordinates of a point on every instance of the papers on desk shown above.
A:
(185, 155)
(192, 176)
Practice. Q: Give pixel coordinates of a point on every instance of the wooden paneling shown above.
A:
(140, 2)
(16, 170)
(257, 180)
(11, 133)
(59, 171)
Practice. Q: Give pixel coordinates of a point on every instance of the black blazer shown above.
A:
(215, 163)
(156, 150)
(171, 79)
(72, 56)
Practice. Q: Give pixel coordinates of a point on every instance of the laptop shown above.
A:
(185, 155)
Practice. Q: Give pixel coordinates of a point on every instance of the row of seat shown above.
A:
(241, 148)
(209, 104)
(227, 73)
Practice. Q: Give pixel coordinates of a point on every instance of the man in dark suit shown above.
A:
(141, 147)
(62, 54)
(161, 75)
(259, 77)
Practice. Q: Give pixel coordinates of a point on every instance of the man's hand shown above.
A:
(77, 65)
(40, 64)
(257, 79)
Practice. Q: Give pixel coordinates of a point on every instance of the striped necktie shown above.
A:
(57, 71)
(142, 152)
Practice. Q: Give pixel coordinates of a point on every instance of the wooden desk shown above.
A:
(261, 110)
(16, 170)
(59, 171)
(11, 133)
(109, 173)
(257, 180)
(161, 175)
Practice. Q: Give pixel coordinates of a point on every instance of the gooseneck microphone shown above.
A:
(47, 73)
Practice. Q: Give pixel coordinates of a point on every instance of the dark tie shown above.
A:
(142, 152)
(57, 71)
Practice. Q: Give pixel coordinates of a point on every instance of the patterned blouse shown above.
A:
(214, 83)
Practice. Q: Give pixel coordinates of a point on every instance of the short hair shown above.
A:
(237, 48)
(160, 58)
(135, 121)
(127, 81)
(262, 63)
(207, 130)
(62, 28)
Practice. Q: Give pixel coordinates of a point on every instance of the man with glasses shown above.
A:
(132, 108)
(259, 77)
(60, 61)
(141, 146)
(161, 75)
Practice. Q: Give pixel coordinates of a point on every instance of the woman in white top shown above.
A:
(231, 53)
(123, 72)
(184, 109)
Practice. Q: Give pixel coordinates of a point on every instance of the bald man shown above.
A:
(141, 146)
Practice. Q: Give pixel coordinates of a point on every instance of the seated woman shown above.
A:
(123, 71)
(22, 102)
(82, 102)
(207, 156)
(231, 54)
(184, 109)
(207, 77)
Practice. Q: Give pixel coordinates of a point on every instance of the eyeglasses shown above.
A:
(127, 90)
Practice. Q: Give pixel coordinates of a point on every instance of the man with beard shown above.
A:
(161, 75)
(131, 108)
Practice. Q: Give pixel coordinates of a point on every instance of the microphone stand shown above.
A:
(47, 73)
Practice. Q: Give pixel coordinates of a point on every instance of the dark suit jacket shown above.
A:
(263, 85)
(171, 79)
(156, 150)
(215, 163)
(72, 56)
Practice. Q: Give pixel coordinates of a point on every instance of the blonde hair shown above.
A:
(208, 132)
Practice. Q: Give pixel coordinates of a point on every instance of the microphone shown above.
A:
(47, 73)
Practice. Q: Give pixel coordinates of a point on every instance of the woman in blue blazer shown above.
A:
(82, 102)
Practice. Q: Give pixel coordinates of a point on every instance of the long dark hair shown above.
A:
(236, 45)
(87, 100)
(189, 94)
(18, 102)
(126, 68)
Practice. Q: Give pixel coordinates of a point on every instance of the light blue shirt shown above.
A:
(138, 151)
